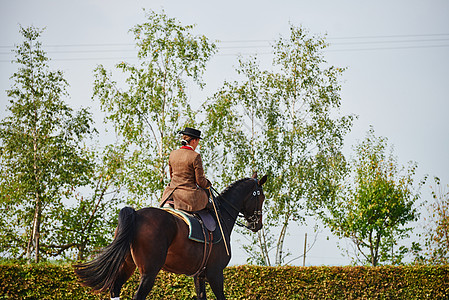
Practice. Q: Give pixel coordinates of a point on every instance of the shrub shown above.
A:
(243, 282)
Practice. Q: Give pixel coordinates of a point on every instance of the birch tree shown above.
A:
(42, 150)
(152, 105)
(283, 121)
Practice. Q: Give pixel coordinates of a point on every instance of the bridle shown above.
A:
(255, 217)
(252, 219)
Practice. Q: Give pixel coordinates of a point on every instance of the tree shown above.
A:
(373, 210)
(284, 121)
(436, 236)
(42, 150)
(148, 114)
(86, 226)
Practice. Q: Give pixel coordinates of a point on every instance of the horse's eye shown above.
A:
(254, 193)
(258, 193)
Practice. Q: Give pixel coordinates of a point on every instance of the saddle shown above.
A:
(200, 223)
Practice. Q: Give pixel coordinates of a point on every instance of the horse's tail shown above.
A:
(101, 273)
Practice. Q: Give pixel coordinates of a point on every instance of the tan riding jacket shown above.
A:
(187, 180)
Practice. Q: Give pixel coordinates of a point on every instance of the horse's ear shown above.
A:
(254, 175)
(263, 180)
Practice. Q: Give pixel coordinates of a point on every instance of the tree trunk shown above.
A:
(263, 247)
(37, 208)
(29, 244)
(36, 231)
(280, 243)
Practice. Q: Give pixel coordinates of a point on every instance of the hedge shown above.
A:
(243, 282)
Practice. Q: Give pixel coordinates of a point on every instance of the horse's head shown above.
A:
(252, 206)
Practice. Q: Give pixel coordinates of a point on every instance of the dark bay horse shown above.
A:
(152, 239)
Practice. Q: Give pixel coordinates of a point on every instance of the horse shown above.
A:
(152, 239)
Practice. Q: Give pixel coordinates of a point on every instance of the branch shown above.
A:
(62, 248)
(357, 242)
(307, 250)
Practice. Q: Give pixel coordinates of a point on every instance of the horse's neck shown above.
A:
(228, 217)
(232, 204)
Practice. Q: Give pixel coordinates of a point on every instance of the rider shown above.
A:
(188, 187)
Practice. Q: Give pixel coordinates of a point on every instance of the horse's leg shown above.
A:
(216, 284)
(200, 287)
(126, 270)
(149, 265)
(146, 284)
(149, 250)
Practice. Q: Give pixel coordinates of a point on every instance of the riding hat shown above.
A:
(191, 132)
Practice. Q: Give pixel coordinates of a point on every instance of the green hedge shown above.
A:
(244, 282)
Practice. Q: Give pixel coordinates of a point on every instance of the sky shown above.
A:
(396, 54)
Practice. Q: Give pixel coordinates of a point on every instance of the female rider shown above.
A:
(188, 185)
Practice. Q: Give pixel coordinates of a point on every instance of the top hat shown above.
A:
(191, 132)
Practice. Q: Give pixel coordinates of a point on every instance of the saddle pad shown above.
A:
(195, 227)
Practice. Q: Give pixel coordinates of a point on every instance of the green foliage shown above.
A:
(284, 122)
(153, 106)
(89, 223)
(42, 150)
(244, 282)
(40, 282)
(374, 211)
(436, 236)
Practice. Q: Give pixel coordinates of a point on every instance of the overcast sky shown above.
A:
(396, 52)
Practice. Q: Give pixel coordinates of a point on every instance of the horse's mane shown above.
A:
(232, 187)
